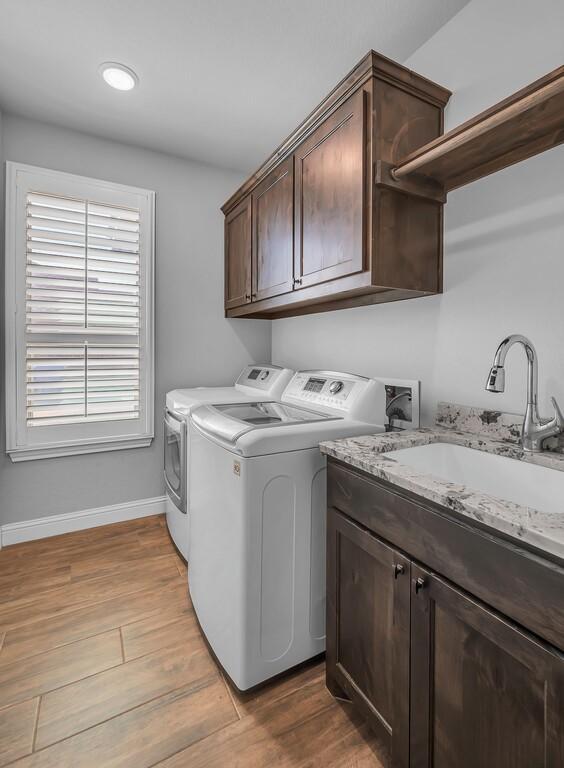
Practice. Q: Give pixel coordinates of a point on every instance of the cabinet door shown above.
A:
(331, 196)
(483, 692)
(238, 255)
(368, 596)
(273, 233)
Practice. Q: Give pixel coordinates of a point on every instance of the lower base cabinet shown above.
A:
(483, 692)
(445, 681)
(368, 630)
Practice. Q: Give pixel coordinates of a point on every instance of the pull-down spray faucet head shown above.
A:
(496, 379)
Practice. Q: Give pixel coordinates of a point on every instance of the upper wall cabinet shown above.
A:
(330, 197)
(331, 226)
(238, 255)
(273, 233)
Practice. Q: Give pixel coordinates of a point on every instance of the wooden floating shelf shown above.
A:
(525, 124)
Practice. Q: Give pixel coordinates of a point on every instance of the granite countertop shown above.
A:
(542, 530)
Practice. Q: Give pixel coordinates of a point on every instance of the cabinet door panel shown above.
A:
(238, 255)
(330, 198)
(273, 233)
(483, 692)
(368, 630)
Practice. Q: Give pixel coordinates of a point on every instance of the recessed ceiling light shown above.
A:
(119, 76)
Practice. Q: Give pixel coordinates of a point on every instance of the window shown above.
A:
(79, 314)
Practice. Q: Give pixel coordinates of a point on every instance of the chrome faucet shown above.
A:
(535, 430)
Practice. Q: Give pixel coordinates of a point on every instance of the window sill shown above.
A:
(56, 451)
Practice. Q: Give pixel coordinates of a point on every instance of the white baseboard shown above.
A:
(42, 527)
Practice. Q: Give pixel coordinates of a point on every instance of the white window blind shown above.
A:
(72, 383)
(82, 256)
(82, 266)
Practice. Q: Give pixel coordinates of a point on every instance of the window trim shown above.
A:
(89, 444)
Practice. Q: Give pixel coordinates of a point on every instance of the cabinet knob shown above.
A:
(398, 570)
(248, 296)
(419, 583)
(297, 281)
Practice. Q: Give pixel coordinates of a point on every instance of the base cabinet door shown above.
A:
(484, 693)
(238, 255)
(368, 588)
(273, 233)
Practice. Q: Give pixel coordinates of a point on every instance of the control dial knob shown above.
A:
(335, 387)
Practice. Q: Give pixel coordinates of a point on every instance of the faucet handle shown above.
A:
(558, 415)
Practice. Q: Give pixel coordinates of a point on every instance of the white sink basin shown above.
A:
(527, 484)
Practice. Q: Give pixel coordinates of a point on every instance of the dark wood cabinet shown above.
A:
(484, 692)
(368, 623)
(331, 198)
(357, 234)
(238, 255)
(444, 678)
(273, 233)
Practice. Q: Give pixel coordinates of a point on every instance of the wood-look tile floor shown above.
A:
(102, 664)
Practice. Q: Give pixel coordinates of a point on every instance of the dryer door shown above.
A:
(175, 458)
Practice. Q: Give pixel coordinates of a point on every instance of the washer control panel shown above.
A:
(386, 402)
(323, 388)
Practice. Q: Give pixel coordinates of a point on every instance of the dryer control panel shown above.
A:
(268, 379)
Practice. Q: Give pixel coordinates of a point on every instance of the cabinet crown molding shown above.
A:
(373, 64)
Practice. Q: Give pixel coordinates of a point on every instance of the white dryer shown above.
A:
(255, 382)
(258, 514)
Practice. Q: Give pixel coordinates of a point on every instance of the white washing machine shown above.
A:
(255, 382)
(258, 516)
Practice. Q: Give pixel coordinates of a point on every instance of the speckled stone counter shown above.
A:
(495, 424)
(543, 530)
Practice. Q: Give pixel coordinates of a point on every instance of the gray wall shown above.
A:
(504, 268)
(504, 246)
(194, 343)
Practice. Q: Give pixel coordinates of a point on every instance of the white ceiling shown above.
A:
(222, 81)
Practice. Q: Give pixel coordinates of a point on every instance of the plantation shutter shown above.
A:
(85, 333)
(70, 383)
(82, 273)
(82, 266)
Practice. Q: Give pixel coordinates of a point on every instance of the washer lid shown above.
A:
(185, 400)
(229, 421)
